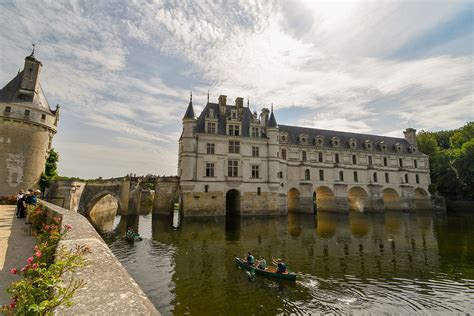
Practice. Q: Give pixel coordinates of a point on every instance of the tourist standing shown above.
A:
(20, 204)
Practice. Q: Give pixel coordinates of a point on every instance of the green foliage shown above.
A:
(50, 169)
(451, 160)
(41, 288)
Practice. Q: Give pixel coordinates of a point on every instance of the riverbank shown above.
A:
(16, 245)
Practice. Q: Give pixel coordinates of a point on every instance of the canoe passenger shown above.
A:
(281, 266)
(262, 264)
(250, 259)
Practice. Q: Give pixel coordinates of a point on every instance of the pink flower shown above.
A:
(24, 269)
(34, 266)
(36, 248)
(68, 226)
(38, 254)
(14, 271)
(12, 304)
(29, 260)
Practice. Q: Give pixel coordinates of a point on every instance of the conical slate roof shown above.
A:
(272, 121)
(190, 111)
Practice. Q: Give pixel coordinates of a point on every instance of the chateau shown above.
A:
(234, 161)
(27, 127)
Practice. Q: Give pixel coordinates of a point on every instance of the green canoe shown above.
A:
(270, 271)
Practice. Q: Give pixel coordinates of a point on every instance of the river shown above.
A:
(395, 263)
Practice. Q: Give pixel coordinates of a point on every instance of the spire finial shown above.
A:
(33, 51)
(248, 101)
(191, 96)
(207, 95)
(272, 106)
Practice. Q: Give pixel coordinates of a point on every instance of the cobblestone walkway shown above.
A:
(15, 247)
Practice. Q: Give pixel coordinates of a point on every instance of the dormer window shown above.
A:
(383, 146)
(335, 142)
(255, 131)
(303, 138)
(368, 145)
(412, 149)
(352, 143)
(319, 140)
(210, 114)
(284, 137)
(211, 128)
(234, 130)
(398, 147)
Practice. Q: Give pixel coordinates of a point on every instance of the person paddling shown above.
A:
(262, 264)
(250, 259)
(281, 266)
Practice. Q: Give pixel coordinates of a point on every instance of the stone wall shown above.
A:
(110, 289)
(264, 204)
(202, 203)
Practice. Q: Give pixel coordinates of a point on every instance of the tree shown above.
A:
(427, 143)
(50, 169)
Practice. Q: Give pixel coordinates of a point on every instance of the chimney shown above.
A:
(410, 136)
(264, 117)
(222, 104)
(239, 104)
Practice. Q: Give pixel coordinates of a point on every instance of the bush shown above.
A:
(7, 200)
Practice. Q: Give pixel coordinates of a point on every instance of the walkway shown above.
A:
(15, 247)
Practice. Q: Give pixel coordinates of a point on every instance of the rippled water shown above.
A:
(397, 262)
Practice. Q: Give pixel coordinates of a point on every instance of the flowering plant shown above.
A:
(41, 288)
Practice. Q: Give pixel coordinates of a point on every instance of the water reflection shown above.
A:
(395, 262)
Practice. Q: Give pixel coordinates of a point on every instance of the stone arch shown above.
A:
(94, 200)
(293, 200)
(391, 199)
(422, 199)
(358, 199)
(232, 202)
(325, 199)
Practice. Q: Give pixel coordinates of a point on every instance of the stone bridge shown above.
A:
(127, 191)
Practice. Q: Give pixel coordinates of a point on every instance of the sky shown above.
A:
(122, 71)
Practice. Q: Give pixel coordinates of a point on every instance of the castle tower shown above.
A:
(187, 145)
(27, 127)
(273, 148)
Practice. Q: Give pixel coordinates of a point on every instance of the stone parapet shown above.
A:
(109, 288)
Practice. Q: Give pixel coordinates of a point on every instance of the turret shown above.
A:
(410, 136)
(188, 146)
(29, 80)
(273, 148)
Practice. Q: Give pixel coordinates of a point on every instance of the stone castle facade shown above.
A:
(27, 127)
(234, 161)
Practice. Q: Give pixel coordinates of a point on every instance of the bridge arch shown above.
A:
(98, 197)
(358, 199)
(422, 199)
(391, 200)
(293, 200)
(325, 199)
(232, 202)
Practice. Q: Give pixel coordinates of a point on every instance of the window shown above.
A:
(280, 174)
(283, 138)
(369, 160)
(234, 130)
(415, 163)
(255, 172)
(283, 154)
(320, 141)
(304, 155)
(356, 177)
(210, 149)
(259, 191)
(387, 179)
(209, 170)
(320, 157)
(417, 178)
(8, 109)
(255, 151)
(375, 177)
(234, 147)
(400, 161)
(385, 161)
(211, 128)
(354, 159)
(321, 175)
(206, 188)
(406, 178)
(43, 117)
(255, 132)
(233, 168)
(307, 174)
(337, 158)
(27, 112)
(341, 175)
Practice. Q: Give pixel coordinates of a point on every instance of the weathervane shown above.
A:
(33, 51)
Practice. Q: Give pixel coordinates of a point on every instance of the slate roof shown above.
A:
(9, 94)
(221, 120)
(190, 111)
(344, 137)
(272, 121)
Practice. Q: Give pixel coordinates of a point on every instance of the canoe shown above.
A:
(270, 271)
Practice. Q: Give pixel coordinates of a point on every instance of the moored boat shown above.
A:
(270, 271)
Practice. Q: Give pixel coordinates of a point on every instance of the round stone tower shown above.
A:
(27, 127)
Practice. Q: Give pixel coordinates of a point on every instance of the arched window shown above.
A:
(307, 174)
(375, 176)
